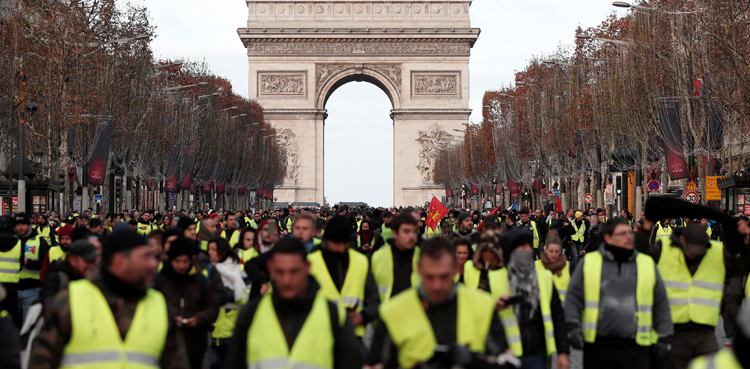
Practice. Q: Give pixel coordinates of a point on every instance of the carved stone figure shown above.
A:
(288, 141)
(282, 84)
(429, 84)
(431, 142)
(392, 71)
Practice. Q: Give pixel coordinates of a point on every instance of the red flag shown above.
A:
(474, 190)
(558, 208)
(436, 213)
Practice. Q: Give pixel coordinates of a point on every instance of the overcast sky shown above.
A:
(359, 133)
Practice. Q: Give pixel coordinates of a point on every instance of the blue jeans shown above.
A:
(25, 299)
(538, 361)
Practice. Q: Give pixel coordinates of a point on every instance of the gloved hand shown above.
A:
(575, 335)
(659, 353)
(459, 355)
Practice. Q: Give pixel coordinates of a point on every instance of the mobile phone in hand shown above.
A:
(517, 299)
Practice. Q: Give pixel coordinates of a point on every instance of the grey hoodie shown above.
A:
(617, 304)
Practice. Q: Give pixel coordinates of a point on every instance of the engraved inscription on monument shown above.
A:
(436, 84)
(284, 84)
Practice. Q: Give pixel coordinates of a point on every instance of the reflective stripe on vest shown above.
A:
(561, 281)
(724, 359)
(267, 347)
(31, 251)
(508, 316)
(429, 233)
(10, 264)
(580, 232)
(645, 335)
(412, 333)
(352, 294)
(663, 232)
(55, 253)
(95, 341)
(695, 298)
(382, 270)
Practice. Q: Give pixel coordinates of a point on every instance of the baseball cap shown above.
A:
(84, 249)
(22, 218)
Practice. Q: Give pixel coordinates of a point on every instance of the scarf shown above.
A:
(205, 235)
(522, 275)
(231, 277)
(366, 235)
(554, 266)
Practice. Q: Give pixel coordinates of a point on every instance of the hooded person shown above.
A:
(189, 293)
(483, 271)
(536, 328)
(367, 240)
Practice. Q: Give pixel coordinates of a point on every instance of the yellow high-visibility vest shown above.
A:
(234, 240)
(382, 270)
(724, 359)
(313, 348)
(44, 233)
(663, 232)
(535, 233)
(580, 231)
(55, 253)
(561, 281)
(10, 264)
(352, 294)
(472, 275)
(95, 340)
(693, 298)
(386, 232)
(31, 251)
(508, 316)
(412, 332)
(644, 297)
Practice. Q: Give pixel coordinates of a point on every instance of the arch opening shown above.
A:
(358, 144)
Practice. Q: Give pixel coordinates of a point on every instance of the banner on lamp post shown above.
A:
(98, 162)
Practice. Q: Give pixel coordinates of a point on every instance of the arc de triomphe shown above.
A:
(417, 52)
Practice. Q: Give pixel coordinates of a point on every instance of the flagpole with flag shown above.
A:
(436, 213)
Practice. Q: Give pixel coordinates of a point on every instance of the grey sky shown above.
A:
(359, 134)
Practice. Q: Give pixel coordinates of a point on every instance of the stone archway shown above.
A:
(417, 52)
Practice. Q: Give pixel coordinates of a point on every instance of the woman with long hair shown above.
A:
(227, 263)
(553, 259)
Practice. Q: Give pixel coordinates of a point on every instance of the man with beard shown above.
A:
(85, 324)
(465, 229)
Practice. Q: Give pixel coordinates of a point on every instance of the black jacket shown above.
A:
(10, 344)
(59, 274)
(532, 329)
(443, 319)
(347, 351)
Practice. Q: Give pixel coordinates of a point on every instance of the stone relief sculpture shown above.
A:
(428, 84)
(431, 142)
(392, 71)
(288, 140)
(282, 84)
(324, 71)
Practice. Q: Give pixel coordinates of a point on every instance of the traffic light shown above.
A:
(618, 185)
(118, 188)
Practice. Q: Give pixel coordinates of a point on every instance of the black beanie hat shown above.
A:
(339, 229)
(514, 238)
(120, 241)
(181, 246)
(463, 216)
(184, 222)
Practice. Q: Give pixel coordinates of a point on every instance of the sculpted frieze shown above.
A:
(436, 83)
(291, 84)
(344, 48)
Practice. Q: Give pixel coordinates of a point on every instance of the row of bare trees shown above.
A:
(85, 61)
(568, 111)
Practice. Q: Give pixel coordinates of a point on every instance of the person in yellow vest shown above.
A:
(616, 307)
(46, 231)
(439, 324)
(253, 223)
(227, 264)
(481, 272)
(303, 229)
(80, 258)
(695, 271)
(385, 229)
(731, 357)
(465, 229)
(232, 231)
(367, 240)
(65, 236)
(529, 305)
(35, 252)
(144, 224)
(344, 275)
(11, 252)
(244, 248)
(661, 230)
(531, 226)
(206, 232)
(554, 260)
(464, 254)
(315, 333)
(580, 225)
(395, 264)
(85, 324)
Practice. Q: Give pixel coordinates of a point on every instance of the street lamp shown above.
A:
(521, 83)
(176, 88)
(237, 116)
(554, 62)
(209, 95)
(612, 41)
(177, 64)
(229, 108)
(622, 4)
(505, 95)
